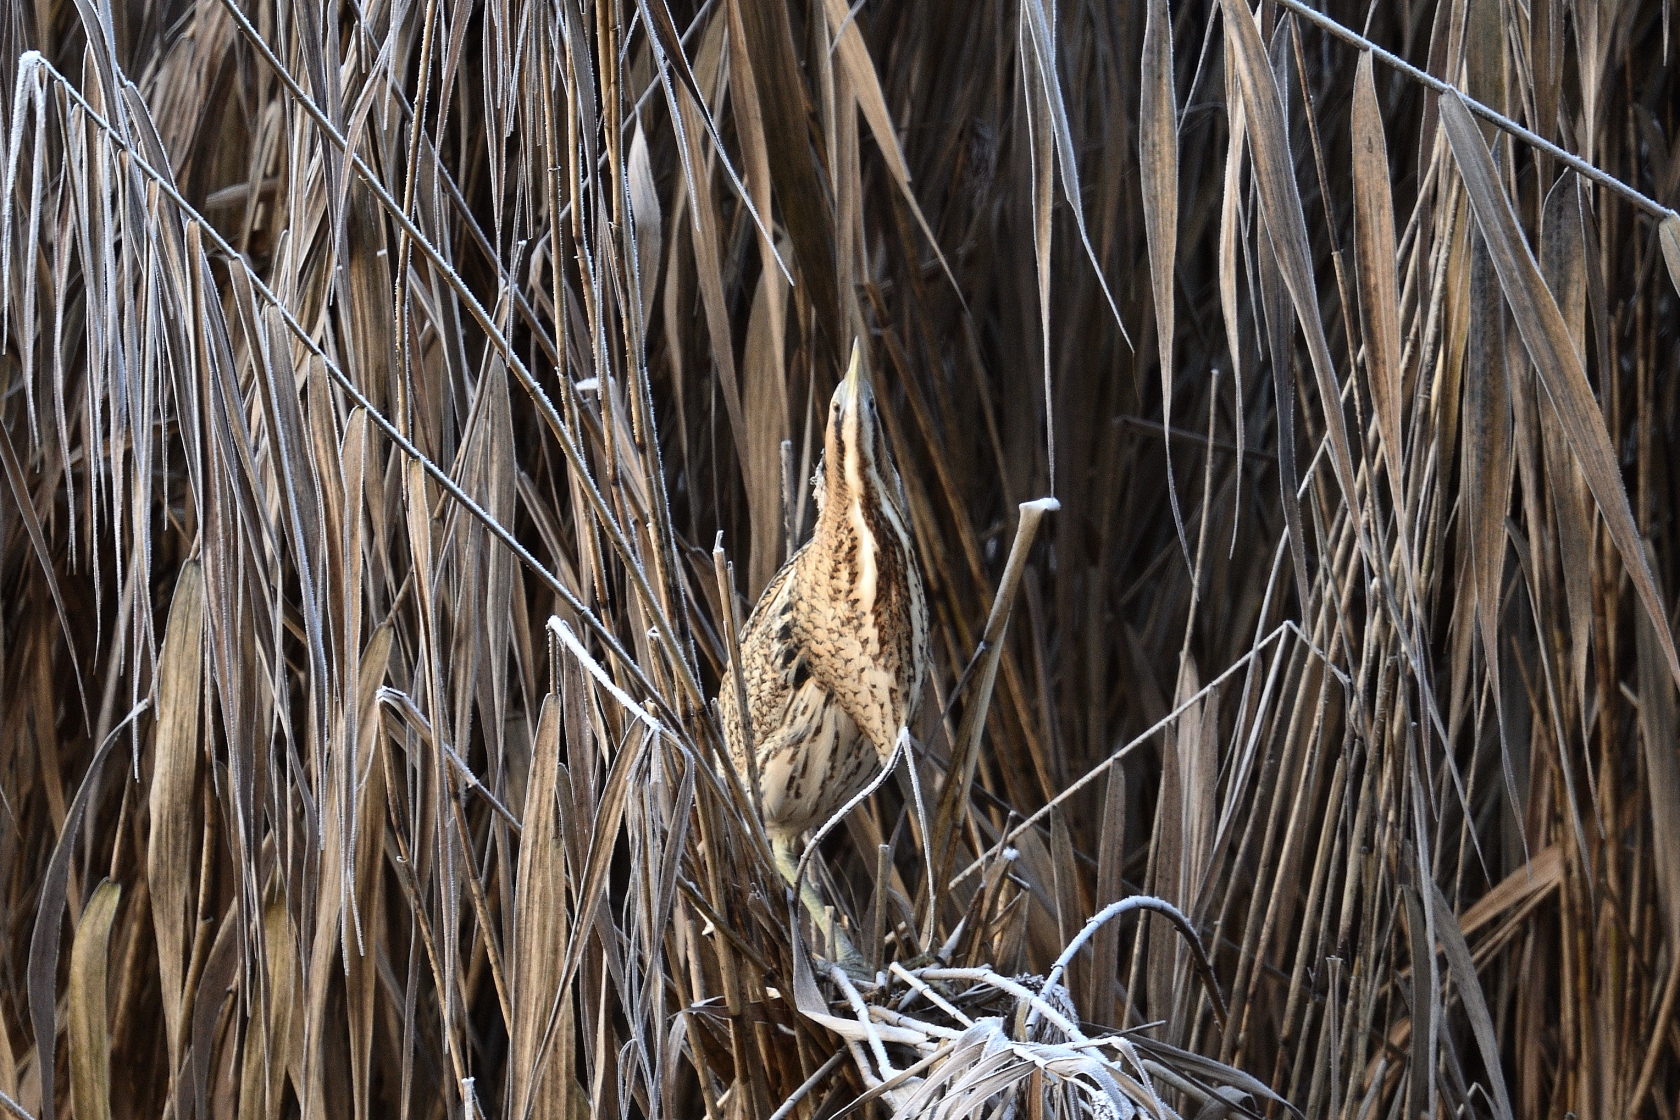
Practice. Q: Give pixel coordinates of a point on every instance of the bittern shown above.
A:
(835, 651)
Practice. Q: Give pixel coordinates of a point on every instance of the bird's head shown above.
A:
(855, 465)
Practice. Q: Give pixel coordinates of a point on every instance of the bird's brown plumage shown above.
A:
(835, 652)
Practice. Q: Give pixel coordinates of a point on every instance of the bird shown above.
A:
(835, 652)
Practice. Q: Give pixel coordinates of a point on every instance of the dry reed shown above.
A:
(375, 376)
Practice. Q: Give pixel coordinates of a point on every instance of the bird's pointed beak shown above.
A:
(854, 372)
(850, 403)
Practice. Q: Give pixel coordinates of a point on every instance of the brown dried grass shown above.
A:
(373, 383)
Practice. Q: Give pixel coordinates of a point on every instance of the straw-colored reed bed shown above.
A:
(1288, 412)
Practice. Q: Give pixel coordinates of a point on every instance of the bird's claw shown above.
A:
(851, 963)
(921, 961)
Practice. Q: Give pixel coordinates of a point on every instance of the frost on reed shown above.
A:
(1287, 409)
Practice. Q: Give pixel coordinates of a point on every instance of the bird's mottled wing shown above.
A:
(768, 688)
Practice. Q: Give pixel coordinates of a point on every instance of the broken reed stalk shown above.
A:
(959, 776)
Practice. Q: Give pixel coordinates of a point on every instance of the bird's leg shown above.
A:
(786, 851)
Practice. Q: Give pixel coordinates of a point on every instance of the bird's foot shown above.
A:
(845, 956)
(856, 969)
(922, 960)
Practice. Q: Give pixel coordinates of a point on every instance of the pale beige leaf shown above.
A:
(1158, 182)
(540, 928)
(269, 1035)
(1379, 300)
(767, 426)
(88, 1028)
(645, 216)
(853, 55)
(1229, 232)
(1280, 204)
(174, 824)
